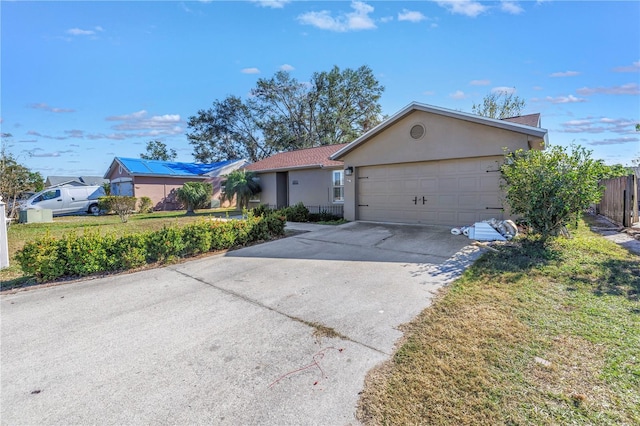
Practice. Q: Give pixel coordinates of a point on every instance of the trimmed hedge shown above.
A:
(48, 258)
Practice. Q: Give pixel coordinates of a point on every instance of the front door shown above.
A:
(282, 189)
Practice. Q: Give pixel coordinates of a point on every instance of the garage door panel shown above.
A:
(457, 192)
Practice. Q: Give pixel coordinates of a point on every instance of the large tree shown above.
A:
(157, 150)
(15, 179)
(499, 104)
(283, 114)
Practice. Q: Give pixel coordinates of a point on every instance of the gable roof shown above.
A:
(81, 180)
(141, 167)
(317, 157)
(537, 135)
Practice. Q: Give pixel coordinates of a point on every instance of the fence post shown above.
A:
(4, 243)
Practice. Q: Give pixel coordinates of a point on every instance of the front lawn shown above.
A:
(527, 336)
(19, 234)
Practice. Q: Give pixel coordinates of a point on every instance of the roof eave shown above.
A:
(308, 166)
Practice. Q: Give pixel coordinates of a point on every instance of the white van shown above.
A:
(66, 199)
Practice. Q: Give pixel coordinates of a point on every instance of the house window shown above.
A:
(338, 186)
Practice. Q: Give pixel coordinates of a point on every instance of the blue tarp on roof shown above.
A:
(138, 166)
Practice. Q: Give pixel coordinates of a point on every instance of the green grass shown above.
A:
(19, 234)
(542, 335)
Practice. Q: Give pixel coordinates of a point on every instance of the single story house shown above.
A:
(159, 180)
(304, 175)
(425, 164)
(74, 181)
(433, 166)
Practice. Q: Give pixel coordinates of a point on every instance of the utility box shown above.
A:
(36, 216)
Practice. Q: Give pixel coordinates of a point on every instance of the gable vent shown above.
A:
(417, 131)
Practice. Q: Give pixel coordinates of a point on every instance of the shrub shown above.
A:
(551, 188)
(261, 210)
(196, 238)
(48, 258)
(323, 216)
(195, 195)
(145, 205)
(123, 206)
(165, 244)
(40, 258)
(296, 213)
(129, 251)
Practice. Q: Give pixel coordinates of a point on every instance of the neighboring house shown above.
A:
(305, 175)
(74, 181)
(159, 180)
(432, 165)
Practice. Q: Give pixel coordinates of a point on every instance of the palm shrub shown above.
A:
(195, 195)
(242, 185)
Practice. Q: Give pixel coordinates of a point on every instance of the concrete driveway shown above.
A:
(278, 333)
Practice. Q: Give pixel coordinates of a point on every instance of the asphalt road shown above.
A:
(279, 333)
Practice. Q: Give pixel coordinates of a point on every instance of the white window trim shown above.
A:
(334, 186)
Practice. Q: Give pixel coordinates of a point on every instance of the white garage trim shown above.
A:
(447, 192)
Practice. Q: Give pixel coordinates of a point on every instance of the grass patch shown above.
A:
(19, 234)
(534, 334)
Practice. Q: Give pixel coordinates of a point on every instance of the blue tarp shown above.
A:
(138, 166)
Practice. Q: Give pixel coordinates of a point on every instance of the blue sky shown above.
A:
(83, 82)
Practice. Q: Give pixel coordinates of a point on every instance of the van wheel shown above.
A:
(94, 209)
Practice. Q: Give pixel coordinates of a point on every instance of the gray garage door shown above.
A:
(449, 192)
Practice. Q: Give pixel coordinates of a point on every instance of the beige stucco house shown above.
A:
(159, 180)
(306, 175)
(432, 165)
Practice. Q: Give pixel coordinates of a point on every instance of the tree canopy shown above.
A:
(157, 150)
(283, 114)
(500, 104)
(15, 178)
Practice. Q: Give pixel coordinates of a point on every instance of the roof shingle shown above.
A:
(532, 120)
(301, 158)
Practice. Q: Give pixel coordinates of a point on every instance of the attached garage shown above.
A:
(433, 166)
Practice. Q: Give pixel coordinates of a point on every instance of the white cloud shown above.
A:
(359, 19)
(616, 141)
(44, 107)
(81, 32)
(504, 89)
(564, 74)
(286, 67)
(167, 124)
(78, 31)
(429, 93)
(411, 16)
(386, 19)
(274, 4)
(562, 99)
(463, 7)
(511, 7)
(250, 71)
(458, 94)
(625, 89)
(480, 82)
(634, 67)
(621, 126)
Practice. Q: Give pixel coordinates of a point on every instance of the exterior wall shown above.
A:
(312, 187)
(268, 194)
(444, 138)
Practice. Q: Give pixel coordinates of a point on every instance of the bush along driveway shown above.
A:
(48, 258)
(533, 334)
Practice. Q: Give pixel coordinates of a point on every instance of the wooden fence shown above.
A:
(620, 200)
